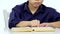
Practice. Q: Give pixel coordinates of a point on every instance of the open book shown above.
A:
(33, 29)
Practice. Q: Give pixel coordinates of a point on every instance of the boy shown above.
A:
(33, 14)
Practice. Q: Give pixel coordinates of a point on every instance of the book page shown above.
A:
(33, 29)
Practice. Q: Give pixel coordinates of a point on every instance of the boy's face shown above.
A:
(35, 3)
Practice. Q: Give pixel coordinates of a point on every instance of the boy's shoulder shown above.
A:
(48, 9)
(20, 6)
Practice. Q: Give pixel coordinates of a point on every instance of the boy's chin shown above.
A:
(36, 6)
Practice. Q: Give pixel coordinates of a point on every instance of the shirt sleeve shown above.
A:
(15, 18)
(56, 15)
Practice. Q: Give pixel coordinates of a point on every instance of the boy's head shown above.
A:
(35, 3)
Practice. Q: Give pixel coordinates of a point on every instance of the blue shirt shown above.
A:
(22, 13)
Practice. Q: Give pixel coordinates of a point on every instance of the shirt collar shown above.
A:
(40, 9)
(26, 6)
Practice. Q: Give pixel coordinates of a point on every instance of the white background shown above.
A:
(9, 4)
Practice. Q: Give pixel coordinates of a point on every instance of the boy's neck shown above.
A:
(32, 9)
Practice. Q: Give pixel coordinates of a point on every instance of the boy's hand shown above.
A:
(23, 24)
(35, 23)
(45, 25)
(52, 24)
